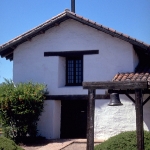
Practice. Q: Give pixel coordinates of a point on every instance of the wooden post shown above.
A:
(90, 119)
(139, 119)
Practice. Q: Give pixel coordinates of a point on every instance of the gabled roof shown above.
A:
(6, 50)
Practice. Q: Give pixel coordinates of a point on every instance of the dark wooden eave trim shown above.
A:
(76, 97)
(71, 53)
(116, 85)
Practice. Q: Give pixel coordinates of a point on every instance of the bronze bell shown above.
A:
(115, 100)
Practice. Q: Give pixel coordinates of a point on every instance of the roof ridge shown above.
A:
(9, 46)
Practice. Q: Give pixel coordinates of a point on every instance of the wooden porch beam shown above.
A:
(138, 86)
(115, 85)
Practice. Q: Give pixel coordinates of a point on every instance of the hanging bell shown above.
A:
(114, 100)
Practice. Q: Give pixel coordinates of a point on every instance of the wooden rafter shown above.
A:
(6, 54)
(9, 56)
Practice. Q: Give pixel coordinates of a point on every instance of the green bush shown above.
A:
(7, 144)
(21, 106)
(124, 141)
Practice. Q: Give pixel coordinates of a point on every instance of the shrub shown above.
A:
(124, 141)
(7, 144)
(21, 106)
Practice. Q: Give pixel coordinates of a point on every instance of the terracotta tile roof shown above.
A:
(6, 50)
(142, 73)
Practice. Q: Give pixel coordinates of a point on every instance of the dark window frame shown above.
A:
(74, 59)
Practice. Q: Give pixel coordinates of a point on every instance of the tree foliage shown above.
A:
(20, 107)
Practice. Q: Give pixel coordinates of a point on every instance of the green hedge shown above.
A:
(124, 141)
(21, 105)
(6, 144)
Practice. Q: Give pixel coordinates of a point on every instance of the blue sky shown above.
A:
(131, 17)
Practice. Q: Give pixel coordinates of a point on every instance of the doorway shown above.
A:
(73, 118)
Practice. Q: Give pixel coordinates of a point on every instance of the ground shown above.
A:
(60, 144)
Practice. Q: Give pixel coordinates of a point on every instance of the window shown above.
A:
(74, 65)
(74, 70)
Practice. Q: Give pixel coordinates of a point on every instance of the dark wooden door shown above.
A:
(73, 119)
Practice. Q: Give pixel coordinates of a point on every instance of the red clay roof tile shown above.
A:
(142, 73)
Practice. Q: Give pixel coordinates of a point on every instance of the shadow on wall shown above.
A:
(146, 114)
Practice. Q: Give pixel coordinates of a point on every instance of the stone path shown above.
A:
(62, 144)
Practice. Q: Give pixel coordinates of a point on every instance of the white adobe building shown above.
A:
(69, 49)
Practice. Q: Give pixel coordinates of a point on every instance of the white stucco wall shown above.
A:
(110, 121)
(49, 123)
(114, 56)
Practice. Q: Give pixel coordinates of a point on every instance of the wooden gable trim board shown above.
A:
(137, 86)
(5, 48)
